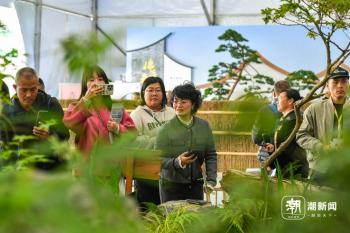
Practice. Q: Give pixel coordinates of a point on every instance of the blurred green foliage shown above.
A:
(83, 52)
(315, 16)
(35, 202)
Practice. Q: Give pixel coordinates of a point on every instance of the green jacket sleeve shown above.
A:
(211, 159)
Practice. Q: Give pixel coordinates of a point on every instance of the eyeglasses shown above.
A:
(157, 91)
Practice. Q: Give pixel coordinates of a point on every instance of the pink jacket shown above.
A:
(89, 128)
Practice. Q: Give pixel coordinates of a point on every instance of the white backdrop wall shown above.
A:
(61, 18)
(55, 28)
(26, 17)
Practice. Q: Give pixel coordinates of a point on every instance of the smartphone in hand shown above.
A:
(197, 153)
(42, 117)
(117, 112)
(107, 89)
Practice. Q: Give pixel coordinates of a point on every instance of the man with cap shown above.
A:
(322, 125)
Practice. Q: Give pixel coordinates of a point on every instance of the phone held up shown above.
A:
(107, 89)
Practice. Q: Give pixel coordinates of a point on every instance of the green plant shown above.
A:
(56, 202)
(177, 221)
(243, 56)
(321, 19)
(6, 60)
(6, 57)
(84, 52)
(302, 79)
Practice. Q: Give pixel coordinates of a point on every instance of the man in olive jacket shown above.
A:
(322, 124)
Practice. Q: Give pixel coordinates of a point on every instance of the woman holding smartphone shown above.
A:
(186, 143)
(90, 116)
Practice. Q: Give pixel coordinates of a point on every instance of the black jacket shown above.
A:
(293, 154)
(23, 121)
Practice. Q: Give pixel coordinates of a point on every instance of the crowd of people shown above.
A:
(186, 142)
(321, 129)
(185, 146)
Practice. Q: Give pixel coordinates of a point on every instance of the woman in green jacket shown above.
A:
(186, 143)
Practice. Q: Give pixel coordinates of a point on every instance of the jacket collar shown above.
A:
(290, 116)
(182, 124)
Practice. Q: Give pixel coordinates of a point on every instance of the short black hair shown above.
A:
(188, 91)
(281, 86)
(27, 73)
(148, 81)
(41, 82)
(293, 94)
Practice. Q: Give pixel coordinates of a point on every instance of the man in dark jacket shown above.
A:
(292, 161)
(33, 112)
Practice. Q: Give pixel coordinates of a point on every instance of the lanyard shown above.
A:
(339, 119)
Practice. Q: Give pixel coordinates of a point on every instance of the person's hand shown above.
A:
(93, 91)
(41, 132)
(112, 126)
(269, 147)
(208, 188)
(186, 158)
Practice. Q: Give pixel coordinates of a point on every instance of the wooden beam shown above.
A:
(232, 133)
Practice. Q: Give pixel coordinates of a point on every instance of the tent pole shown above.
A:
(111, 40)
(212, 11)
(94, 9)
(37, 34)
(206, 12)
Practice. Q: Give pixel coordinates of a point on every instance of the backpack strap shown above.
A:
(149, 113)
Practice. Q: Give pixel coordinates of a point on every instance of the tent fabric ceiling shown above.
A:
(79, 6)
(155, 9)
(60, 18)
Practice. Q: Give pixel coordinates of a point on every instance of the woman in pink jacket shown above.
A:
(90, 116)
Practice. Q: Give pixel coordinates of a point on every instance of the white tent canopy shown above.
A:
(44, 23)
